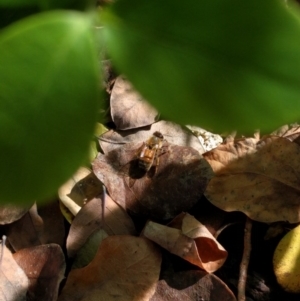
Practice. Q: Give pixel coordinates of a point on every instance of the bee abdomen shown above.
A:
(145, 163)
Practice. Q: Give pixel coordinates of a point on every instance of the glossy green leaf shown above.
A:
(49, 98)
(219, 64)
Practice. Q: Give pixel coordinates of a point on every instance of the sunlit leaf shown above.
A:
(48, 102)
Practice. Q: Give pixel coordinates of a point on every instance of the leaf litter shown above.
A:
(189, 248)
(259, 178)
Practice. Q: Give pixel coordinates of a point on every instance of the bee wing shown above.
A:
(131, 168)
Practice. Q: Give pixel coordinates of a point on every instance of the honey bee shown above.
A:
(146, 159)
(150, 151)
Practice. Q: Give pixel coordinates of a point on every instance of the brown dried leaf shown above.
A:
(192, 286)
(173, 132)
(77, 191)
(13, 281)
(261, 180)
(291, 132)
(125, 267)
(189, 239)
(44, 266)
(128, 108)
(89, 219)
(11, 213)
(38, 226)
(53, 223)
(26, 232)
(89, 250)
(177, 184)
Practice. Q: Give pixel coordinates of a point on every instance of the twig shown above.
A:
(2, 247)
(245, 261)
(103, 205)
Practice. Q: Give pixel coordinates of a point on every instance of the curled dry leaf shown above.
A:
(13, 281)
(44, 266)
(260, 179)
(89, 219)
(173, 132)
(128, 108)
(125, 268)
(76, 192)
(173, 184)
(291, 132)
(11, 213)
(188, 238)
(192, 286)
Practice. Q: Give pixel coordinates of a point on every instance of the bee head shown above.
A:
(158, 135)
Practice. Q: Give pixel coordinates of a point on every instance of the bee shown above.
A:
(150, 151)
(146, 158)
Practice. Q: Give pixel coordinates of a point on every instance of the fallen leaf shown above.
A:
(172, 132)
(89, 219)
(257, 178)
(192, 286)
(291, 132)
(125, 268)
(189, 239)
(26, 232)
(215, 219)
(178, 182)
(88, 251)
(44, 266)
(13, 281)
(128, 108)
(11, 213)
(207, 139)
(53, 223)
(77, 191)
(40, 225)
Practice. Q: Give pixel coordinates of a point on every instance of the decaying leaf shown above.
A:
(82, 187)
(172, 132)
(88, 251)
(26, 231)
(174, 184)
(13, 281)
(192, 286)
(128, 108)
(207, 139)
(53, 223)
(260, 179)
(290, 132)
(189, 239)
(89, 219)
(44, 266)
(11, 213)
(42, 224)
(125, 268)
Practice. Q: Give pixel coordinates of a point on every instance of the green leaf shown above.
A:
(48, 102)
(218, 64)
(11, 3)
(80, 5)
